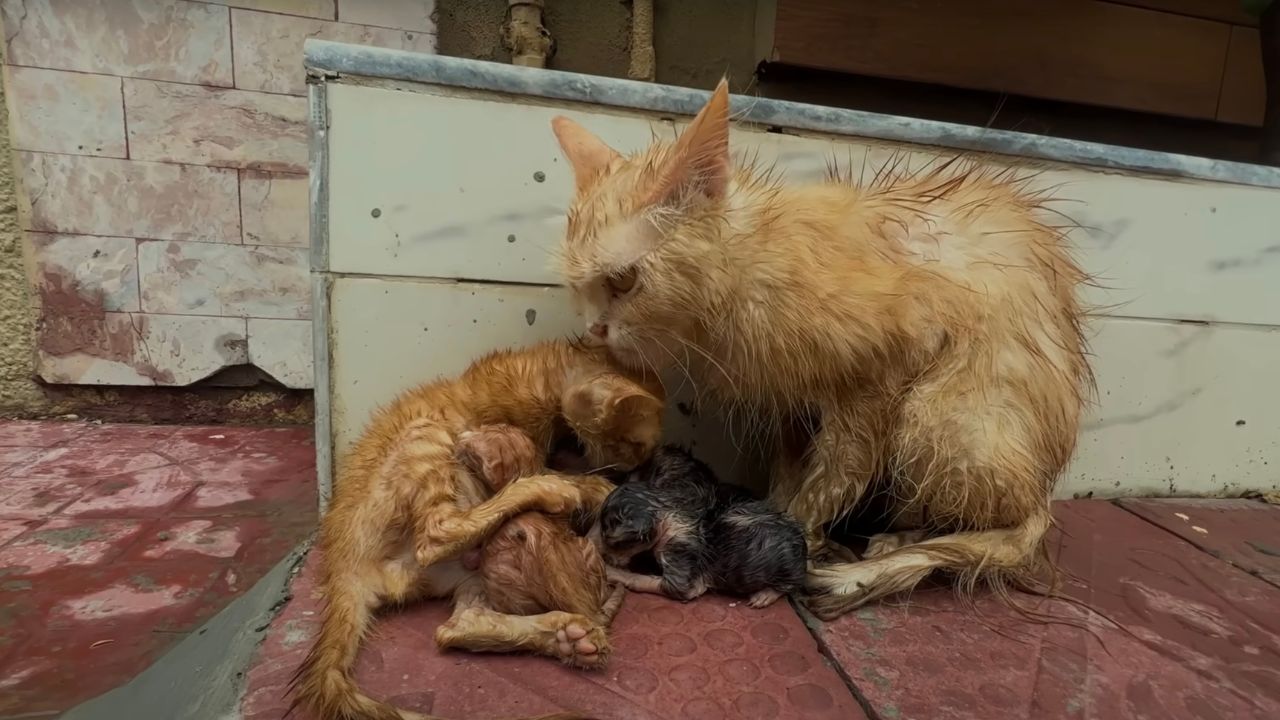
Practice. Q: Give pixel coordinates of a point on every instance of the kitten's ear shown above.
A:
(633, 406)
(700, 159)
(586, 153)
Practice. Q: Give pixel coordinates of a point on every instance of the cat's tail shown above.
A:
(323, 685)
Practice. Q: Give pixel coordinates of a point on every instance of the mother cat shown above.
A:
(922, 330)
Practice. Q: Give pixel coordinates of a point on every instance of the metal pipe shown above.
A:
(643, 59)
(523, 33)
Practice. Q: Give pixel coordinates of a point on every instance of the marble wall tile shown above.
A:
(268, 47)
(274, 208)
(86, 271)
(128, 198)
(217, 279)
(64, 112)
(402, 14)
(282, 349)
(137, 349)
(158, 39)
(213, 126)
(323, 9)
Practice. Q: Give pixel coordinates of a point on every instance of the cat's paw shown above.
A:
(579, 642)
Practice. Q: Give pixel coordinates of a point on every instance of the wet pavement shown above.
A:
(116, 541)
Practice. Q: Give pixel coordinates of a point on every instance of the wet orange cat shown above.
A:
(922, 330)
(404, 509)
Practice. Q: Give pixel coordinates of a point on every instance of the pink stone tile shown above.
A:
(400, 14)
(124, 436)
(13, 456)
(67, 541)
(274, 208)
(64, 112)
(198, 442)
(214, 279)
(323, 9)
(165, 595)
(141, 494)
(142, 349)
(11, 528)
(98, 271)
(90, 464)
(38, 433)
(36, 498)
(212, 538)
(129, 198)
(268, 48)
(214, 126)
(180, 41)
(283, 350)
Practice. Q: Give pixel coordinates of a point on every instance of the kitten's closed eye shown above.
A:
(622, 282)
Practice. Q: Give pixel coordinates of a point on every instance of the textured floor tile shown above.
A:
(100, 270)
(129, 198)
(143, 494)
(1197, 638)
(712, 659)
(274, 208)
(90, 463)
(125, 436)
(64, 112)
(1244, 533)
(67, 541)
(182, 41)
(268, 47)
(11, 528)
(11, 456)
(172, 122)
(36, 499)
(214, 279)
(38, 433)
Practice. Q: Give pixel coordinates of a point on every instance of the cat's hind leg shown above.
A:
(573, 639)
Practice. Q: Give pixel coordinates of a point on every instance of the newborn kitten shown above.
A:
(704, 534)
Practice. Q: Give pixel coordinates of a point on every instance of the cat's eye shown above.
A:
(622, 282)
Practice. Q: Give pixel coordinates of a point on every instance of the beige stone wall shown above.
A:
(160, 147)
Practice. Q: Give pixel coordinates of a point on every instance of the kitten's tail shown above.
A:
(323, 683)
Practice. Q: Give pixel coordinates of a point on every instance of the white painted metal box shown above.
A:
(438, 194)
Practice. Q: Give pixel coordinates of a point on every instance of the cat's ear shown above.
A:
(699, 162)
(586, 153)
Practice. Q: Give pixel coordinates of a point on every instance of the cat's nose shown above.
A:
(600, 330)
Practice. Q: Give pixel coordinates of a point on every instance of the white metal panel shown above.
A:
(1171, 393)
(438, 186)
(1183, 408)
(391, 334)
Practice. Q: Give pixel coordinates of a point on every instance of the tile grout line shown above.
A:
(812, 625)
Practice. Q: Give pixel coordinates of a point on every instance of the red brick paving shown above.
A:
(117, 540)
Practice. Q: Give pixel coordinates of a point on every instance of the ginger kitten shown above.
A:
(927, 321)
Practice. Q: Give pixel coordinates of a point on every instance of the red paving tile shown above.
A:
(701, 661)
(1202, 640)
(99, 575)
(1245, 533)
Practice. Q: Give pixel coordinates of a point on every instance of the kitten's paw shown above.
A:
(579, 642)
(764, 598)
(829, 552)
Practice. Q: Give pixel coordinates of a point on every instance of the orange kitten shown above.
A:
(928, 321)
